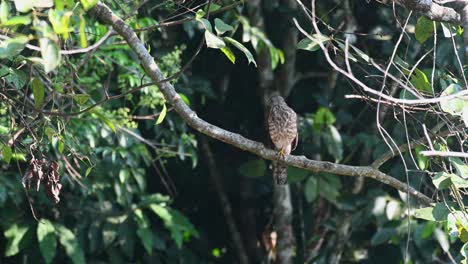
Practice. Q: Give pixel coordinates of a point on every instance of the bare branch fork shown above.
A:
(107, 16)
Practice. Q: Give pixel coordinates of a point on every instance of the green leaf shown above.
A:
(184, 98)
(242, 48)
(104, 119)
(383, 235)
(146, 237)
(19, 157)
(47, 240)
(206, 24)
(18, 20)
(38, 92)
(154, 198)
(83, 39)
(444, 180)
(460, 166)
(14, 235)
(124, 175)
(214, 7)
(61, 145)
(81, 99)
(312, 44)
(296, 174)
(329, 186)
(144, 231)
(7, 153)
(424, 29)
(310, 189)
(68, 240)
(199, 14)
(88, 171)
(162, 115)
(437, 213)
(277, 57)
(222, 27)
(24, 5)
(4, 11)
(228, 52)
(50, 54)
(323, 118)
(453, 106)
(88, 4)
(12, 47)
(213, 41)
(464, 251)
(441, 180)
(175, 222)
(60, 22)
(333, 142)
(253, 168)
(423, 161)
(420, 81)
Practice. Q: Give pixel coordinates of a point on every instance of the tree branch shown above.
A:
(432, 10)
(106, 15)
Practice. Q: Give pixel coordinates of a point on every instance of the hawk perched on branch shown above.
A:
(282, 126)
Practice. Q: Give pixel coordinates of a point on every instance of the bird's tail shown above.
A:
(280, 172)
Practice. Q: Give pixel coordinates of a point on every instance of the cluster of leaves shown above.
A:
(106, 210)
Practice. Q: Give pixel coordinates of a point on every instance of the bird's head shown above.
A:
(276, 99)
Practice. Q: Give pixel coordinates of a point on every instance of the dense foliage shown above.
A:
(138, 185)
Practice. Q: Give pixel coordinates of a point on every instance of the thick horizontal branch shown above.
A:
(432, 10)
(107, 16)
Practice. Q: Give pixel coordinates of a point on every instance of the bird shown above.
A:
(282, 127)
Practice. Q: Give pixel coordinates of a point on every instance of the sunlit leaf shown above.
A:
(124, 175)
(453, 106)
(162, 115)
(213, 41)
(4, 11)
(312, 43)
(242, 48)
(83, 39)
(18, 20)
(460, 166)
(437, 213)
(441, 180)
(228, 52)
(24, 5)
(88, 4)
(420, 81)
(47, 240)
(14, 235)
(50, 54)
